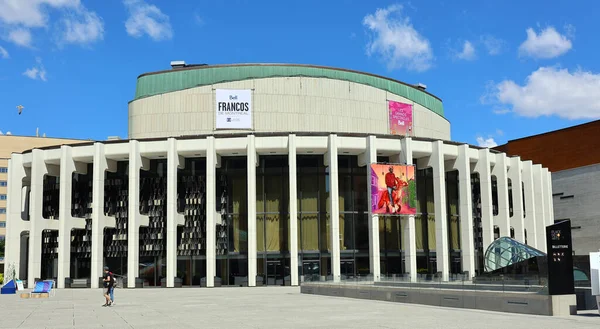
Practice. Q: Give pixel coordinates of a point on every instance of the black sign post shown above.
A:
(560, 259)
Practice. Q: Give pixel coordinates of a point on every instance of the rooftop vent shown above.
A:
(177, 64)
(421, 86)
(113, 138)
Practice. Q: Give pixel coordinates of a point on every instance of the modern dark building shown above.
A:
(573, 156)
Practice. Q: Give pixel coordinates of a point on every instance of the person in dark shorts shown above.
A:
(390, 183)
(109, 283)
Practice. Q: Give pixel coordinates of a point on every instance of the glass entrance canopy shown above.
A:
(505, 251)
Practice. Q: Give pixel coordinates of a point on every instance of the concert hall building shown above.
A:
(258, 174)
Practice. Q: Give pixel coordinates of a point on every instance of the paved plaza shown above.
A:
(261, 307)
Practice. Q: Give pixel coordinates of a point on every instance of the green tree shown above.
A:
(412, 193)
(2, 242)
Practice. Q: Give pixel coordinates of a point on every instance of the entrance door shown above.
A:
(347, 268)
(311, 269)
(275, 269)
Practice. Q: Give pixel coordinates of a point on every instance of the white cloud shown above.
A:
(486, 142)
(468, 52)
(396, 41)
(21, 37)
(21, 17)
(31, 13)
(547, 44)
(493, 45)
(499, 132)
(4, 53)
(552, 91)
(37, 72)
(147, 19)
(83, 27)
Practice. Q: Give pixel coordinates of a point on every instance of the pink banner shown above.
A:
(393, 189)
(401, 118)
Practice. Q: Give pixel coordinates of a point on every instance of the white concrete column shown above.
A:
(293, 178)
(530, 214)
(135, 219)
(66, 221)
(485, 183)
(516, 177)
(441, 222)
(465, 211)
(38, 170)
(409, 229)
(370, 156)
(99, 220)
(15, 225)
(331, 161)
(501, 172)
(549, 200)
(211, 206)
(252, 162)
(540, 207)
(174, 218)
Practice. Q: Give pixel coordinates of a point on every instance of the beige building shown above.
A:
(15, 144)
(260, 174)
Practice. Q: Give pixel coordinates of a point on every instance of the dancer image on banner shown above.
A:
(393, 189)
(390, 182)
(392, 201)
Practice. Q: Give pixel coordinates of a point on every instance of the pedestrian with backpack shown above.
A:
(109, 283)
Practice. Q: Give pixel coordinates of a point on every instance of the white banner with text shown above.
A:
(234, 109)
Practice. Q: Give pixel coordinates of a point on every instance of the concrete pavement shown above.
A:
(261, 307)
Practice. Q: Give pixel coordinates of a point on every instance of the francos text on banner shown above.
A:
(234, 109)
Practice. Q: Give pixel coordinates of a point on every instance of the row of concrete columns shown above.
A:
(535, 180)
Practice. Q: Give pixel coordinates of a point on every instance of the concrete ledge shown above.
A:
(511, 302)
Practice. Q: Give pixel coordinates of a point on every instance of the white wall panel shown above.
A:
(281, 104)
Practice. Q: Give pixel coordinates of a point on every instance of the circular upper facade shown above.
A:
(278, 98)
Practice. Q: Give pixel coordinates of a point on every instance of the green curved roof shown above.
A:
(161, 82)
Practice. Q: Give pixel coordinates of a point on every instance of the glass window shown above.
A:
(2, 210)
(3, 170)
(2, 196)
(506, 251)
(2, 224)
(3, 183)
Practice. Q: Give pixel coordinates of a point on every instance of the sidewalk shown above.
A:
(261, 307)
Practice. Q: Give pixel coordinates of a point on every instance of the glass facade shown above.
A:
(191, 237)
(506, 251)
(232, 226)
(153, 242)
(354, 216)
(81, 239)
(314, 258)
(272, 218)
(116, 201)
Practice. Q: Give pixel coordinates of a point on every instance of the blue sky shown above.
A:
(504, 69)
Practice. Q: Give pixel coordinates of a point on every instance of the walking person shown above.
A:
(109, 283)
(112, 290)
